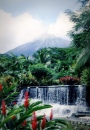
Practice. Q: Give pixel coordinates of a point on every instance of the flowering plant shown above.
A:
(0, 87)
(69, 80)
(23, 117)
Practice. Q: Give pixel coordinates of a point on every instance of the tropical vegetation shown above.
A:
(26, 71)
(48, 66)
(23, 117)
(81, 34)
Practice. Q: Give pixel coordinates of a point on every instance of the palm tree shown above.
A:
(41, 56)
(81, 34)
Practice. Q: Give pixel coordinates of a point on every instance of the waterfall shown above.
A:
(20, 97)
(64, 99)
(81, 102)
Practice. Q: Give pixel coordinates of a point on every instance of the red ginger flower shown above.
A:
(51, 115)
(3, 107)
(43, 124)
(34, 116)
(26, 102)
(26, 94)
(1, 87)
(24, 123)
(34, 121)
(34, 125)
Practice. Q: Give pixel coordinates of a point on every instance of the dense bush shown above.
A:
(85, 78)
(42, 74)
(69, 80)
(7, 80)
(27, 79)
(46, 67)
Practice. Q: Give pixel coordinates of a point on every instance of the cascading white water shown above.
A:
(64, 99)
(20, 97)
(81, 99)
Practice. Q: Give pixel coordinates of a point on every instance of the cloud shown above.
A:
(61, 27)
(24, 28)
(15, 31)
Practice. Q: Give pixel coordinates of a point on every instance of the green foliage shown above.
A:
(17, 115)
(55, 63)
(85, 78)
(14, 65)
(81, 34)
(7, 80)
(27, 79)
(83, 60)
(80, 126)
(8, 93)
(58, 124)
(41, 56)
(42, 74)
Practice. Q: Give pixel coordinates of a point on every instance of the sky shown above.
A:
(23, 21)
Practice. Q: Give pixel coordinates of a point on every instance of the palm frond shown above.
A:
(83, 58)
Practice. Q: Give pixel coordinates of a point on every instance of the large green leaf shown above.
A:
(29, 112)
(10, 116)
(11, 95)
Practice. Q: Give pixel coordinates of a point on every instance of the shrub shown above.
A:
(85, 78)
(27, 79)
(7, 80)
(42, 74)
(69, 80)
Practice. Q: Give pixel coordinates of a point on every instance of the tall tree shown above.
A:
(81, 33)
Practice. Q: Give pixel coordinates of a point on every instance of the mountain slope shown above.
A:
(31, 47)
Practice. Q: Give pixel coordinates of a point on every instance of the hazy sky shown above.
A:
(22, 21)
